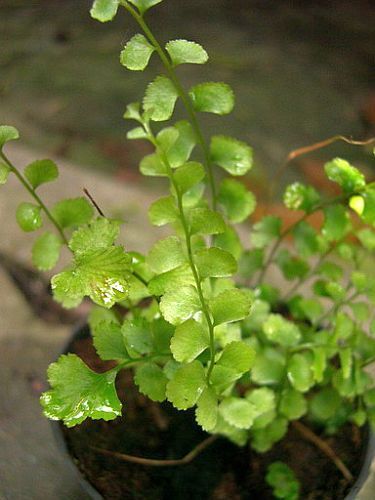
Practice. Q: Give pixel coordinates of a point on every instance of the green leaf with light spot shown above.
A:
(232, 155)
(29, 217)
(344, 174)
(281, 331)
(78, 393)
(179, 305)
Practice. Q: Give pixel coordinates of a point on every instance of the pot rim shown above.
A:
(82, 331)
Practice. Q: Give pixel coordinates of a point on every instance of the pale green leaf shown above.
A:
(163, 211)
(299, 372)
(206, 221)
(237, 201)
(263, 400)
(72, 212)
(160, 99)
(207, 410)
(107, 334)
(8, 133)
(137, 53)
(187, 385)
(232, 305)
(237, 356)
(133, 112)
(232, 155)
(151, 381)
(104, 10)
(29, 217)
(292, 404)
(215, 263)
(41, 171)
(238, 412)
(4, 173)
(265, 231)
(281, 331)
(180, 151)
(170, 280)
(212, 97)
(269, 367)
(152, 165)
(101, 275)
(137, 133)
(347, 176)
(98, 235)
(137, 336)
(188, 175)
(179, 305)
(230, 242)
(189, 341)
(78, 393)
(165, 255)
(46, 251)
(183, 51)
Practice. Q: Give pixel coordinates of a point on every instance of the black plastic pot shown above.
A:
(83, 332)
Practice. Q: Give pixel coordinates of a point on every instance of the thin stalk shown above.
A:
(181, 92)
(189, 249)
(36, 197)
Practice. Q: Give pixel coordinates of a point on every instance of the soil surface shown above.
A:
(223, 471)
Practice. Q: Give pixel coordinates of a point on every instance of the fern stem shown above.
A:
(182, 94)
(36, 197)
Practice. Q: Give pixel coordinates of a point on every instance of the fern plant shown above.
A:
(215, 334)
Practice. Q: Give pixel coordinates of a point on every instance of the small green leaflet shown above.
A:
(183, 51)
(230, 242)
(189, 340)
(281, 331)
(179, 305)
(238, 412)
(206, 221)
(41, 171)
(188, 175)
(232, 155)
(8, 133)
(166, 254)
(170, 280)
(187, 385)
(137, 336)
(299, 371)
(144, 5)
(152, 381)
(179, 152)
(298, 196)
(46, 251)
(215, 263)
(28, 217)
(265, 231)
(78, 393)
(4, 173)
(133, 112)
(348, 177)
(269, 367)
(101, 275)
(207, 410)
(292, 404)
(153, 166)
(237, 201)
(306, 239)
(237, 356)
(263, 439)
(336, 222)
(98, 235)
(325, 404)
(283, 481)
(160, 99)
(163, 211)
(217, 98)
(106, 331)
(137, 53)
(231, 305)
(104, 10)
(72, 212)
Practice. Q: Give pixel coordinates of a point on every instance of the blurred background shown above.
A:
(302, 71)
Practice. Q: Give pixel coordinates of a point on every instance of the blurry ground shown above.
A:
(302, 71)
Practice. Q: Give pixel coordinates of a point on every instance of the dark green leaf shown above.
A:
(151, 381)
(269, 367)
(265, 231)
(336, 222)
(292, 404)
(292, 267)
(137, 336)
(72, 212)
(237, 201)
(283, 481)
(306, 239)
(281, 331)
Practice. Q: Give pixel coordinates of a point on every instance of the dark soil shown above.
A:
(222, 472)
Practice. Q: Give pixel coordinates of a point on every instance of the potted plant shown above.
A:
(229, 386)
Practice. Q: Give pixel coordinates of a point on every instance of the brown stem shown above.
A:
(99, 210)
(309, 435)
(159, 463)
(308, 149)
